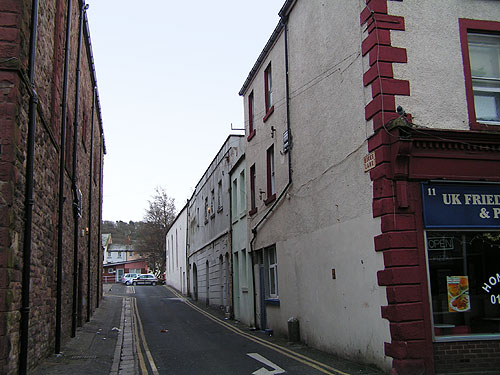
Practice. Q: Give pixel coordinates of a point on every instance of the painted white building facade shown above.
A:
(335, 171)
(176, 247)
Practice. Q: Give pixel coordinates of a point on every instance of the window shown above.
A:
(251, 129)
(464, 283)
(271, 187)
(273, 272)
(212, 203)
(219, 196)
(268, 92)
(111, 270)
(119, 254)
(481, 56)
(206, 210)
(234, 198)
(253, 207)
(243, 196)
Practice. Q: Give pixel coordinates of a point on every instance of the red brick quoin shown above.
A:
(410, 349)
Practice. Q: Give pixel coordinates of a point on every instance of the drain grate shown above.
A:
(83, 357)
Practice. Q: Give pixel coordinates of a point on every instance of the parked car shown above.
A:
(129, 277)
(145, 278)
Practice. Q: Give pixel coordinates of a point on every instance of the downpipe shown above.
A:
(28, 202)
(77, 195)
(284, 20)
(99, 230)
(62, 163)
(89, 241)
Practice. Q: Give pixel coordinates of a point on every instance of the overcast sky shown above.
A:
(168, 76)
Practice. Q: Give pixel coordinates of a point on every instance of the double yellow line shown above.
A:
(141, 340)
(322, 367)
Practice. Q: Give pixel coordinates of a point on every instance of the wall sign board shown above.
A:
(461, 205)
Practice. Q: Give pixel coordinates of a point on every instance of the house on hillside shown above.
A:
(51, 159)
(209, 248)
(372, 171)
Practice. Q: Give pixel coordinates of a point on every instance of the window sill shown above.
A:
(272, 301)
(251, 135)
(268, 113)
(489, 126)
(270, 200)
(252, 211)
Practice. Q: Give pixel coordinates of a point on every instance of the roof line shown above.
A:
(283, 13)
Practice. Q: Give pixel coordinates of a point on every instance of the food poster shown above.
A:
(458, 293)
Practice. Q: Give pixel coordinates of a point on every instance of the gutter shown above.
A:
(62, 163)
(28, 202)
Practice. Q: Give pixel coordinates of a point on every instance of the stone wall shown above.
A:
(15, 28)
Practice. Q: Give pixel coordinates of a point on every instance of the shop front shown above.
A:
(441, 244)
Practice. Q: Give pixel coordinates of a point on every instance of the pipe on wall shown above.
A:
(28, 198)
(284, 20)
(77, 196)
(99, 235)
(62, 163)
(89, 223)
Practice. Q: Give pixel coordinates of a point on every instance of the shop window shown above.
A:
(464, 273)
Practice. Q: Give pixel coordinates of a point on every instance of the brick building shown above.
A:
(51, 154)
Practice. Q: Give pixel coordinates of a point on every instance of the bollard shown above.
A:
(293, 330)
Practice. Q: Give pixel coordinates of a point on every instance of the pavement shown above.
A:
(106, 345)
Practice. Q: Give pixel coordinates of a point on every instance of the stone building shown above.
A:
(51, 157)
(209, 247)
(372, 164)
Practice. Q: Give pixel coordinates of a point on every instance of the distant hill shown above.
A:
(120, 230)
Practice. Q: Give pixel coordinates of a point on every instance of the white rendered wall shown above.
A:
(435, 67)
(325, 220)
(176, 266)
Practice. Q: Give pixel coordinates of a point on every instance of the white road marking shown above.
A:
(262, 370)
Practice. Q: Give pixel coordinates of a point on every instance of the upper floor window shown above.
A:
(481, 56)
(234, 197)
(219, 196)
(484, 53)
(242, 192)
(253, 206)
(271, 186)
(251, 128)
(268, 91)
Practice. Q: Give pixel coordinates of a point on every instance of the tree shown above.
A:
(152, 231)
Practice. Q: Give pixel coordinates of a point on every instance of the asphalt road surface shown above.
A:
(175, 336)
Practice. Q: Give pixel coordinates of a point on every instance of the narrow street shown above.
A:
(174, 336)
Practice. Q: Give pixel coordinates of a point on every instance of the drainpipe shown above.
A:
(77, 195)
(284, 20)
(91, 174)
(99, 231)
(28, 199)
(62, 163)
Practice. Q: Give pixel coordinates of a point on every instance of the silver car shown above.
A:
(145, 278)
(129, 277)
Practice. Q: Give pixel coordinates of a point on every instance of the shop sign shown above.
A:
(461, 206)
